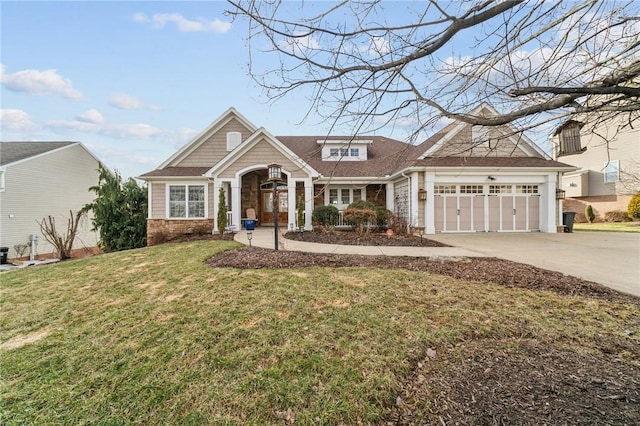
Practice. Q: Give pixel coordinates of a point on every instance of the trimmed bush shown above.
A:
(325, 216)
(359, 218)
(382, 217)
(633, 209)
(616, 216)
(589, 214)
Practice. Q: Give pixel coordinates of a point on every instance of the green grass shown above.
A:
(608, 227)
(155, 336)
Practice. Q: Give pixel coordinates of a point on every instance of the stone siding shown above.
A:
(163, 230)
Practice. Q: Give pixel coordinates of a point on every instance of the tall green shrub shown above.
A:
(300, 211)
(633, 209)
(589, 214)
(325, 217)
(119, 211)
(222, 212)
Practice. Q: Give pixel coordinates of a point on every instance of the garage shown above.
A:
(486, 208)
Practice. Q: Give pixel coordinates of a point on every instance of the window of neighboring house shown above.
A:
(612, 171)
(186, 201)
(344, 152)
(334, 152)
(355, 152)
(570, 140)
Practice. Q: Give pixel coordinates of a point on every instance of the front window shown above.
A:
(342, 197)
(186, 201)
(612, 171)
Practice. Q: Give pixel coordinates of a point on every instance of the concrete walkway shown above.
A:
(608, 258)
(264, 237)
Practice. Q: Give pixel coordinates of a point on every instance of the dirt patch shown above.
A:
(24, 339)
(488, 270)
(350, 238)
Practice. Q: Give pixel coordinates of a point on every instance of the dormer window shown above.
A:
(569, 136)
(344, 150)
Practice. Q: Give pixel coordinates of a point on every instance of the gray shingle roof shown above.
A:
(10, 152)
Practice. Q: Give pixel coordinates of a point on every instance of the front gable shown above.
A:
(210, 146)
(466, 140)
(260, 149)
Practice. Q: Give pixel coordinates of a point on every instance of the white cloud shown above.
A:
(124, 101)
(160, 20)
(63, 126)
(14, 120)
(127, 131)
(90, 116)
(378, 46)
(37, 82)
(299, 43)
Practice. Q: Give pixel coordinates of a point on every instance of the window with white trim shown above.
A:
(444, 189)
(186, 201)
(500, 189)
(471, 189)
(612, 171)
(342, 197)
(526, 189)
(233, 140)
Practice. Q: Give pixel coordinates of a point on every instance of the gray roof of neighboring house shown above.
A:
(10, 152)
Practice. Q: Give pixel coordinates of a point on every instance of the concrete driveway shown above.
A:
(609, 258)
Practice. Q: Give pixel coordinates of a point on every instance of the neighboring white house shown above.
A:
(40, 179)
(608, 162)
(463, 179)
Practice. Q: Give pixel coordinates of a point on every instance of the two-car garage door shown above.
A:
(486, 208)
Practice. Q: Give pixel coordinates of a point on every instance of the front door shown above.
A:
(266, 215)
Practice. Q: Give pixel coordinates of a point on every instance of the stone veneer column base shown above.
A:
(163, 230)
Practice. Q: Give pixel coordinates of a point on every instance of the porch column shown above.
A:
(429, 211)
(236, 214)
(291, 195)
(413, 199)
(390, 197)
(548, 204)
(308, 204)
(214, 213)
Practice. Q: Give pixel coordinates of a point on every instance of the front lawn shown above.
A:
(156, 336)
(608, 227)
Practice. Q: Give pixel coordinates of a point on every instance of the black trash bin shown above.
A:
(4, 252)
(567, 219)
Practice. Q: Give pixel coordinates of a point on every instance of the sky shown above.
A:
(132, 81)
(135, 81)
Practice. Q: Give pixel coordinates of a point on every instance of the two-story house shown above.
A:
(608, 160)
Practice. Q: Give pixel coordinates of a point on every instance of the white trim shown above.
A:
(201, 137)
(528, 143)
(186, 184)
(3, 172)
(249, 143)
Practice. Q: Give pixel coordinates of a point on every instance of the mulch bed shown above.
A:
(372, 239)
(483, 269)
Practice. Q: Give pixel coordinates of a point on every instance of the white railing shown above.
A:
(342, 223)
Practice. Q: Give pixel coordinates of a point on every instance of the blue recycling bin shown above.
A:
(249, 224)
